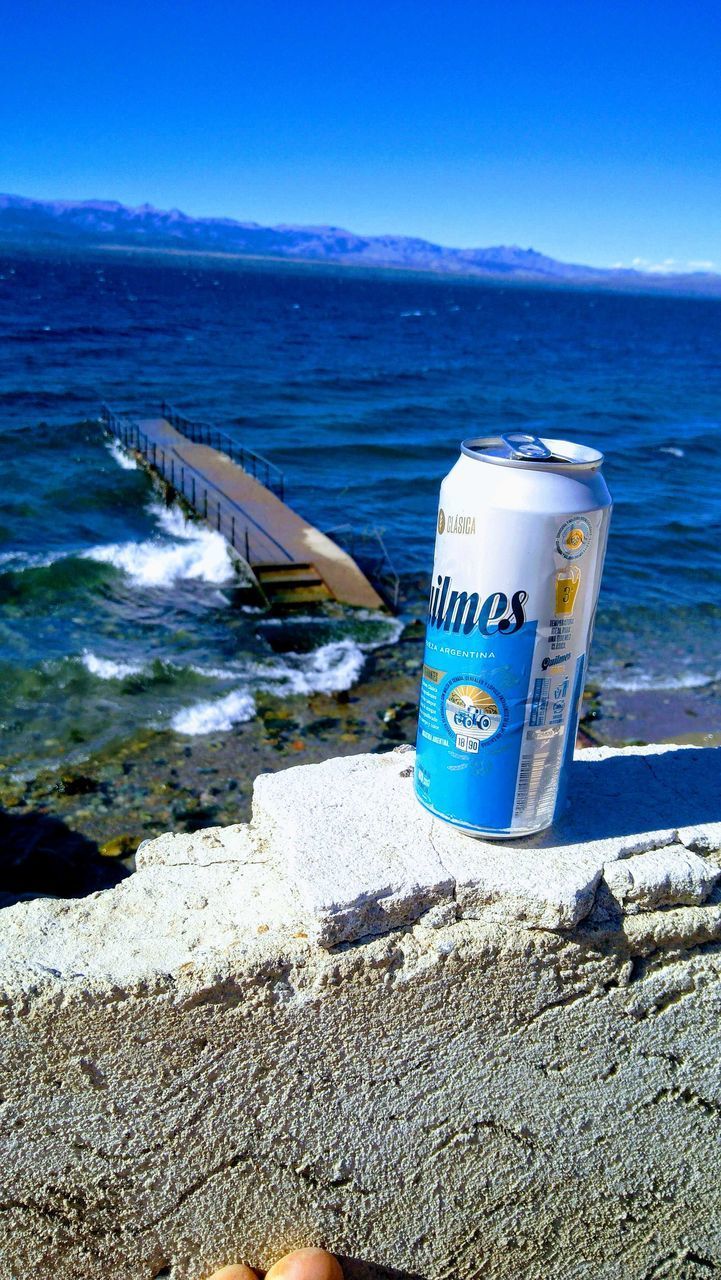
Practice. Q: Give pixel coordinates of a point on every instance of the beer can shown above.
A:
(520, 542)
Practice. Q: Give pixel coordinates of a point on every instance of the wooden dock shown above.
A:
(241, 495)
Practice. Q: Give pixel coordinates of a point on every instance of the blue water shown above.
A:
(115, 615)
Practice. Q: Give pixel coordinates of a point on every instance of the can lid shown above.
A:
(524, 449)
(524, 445)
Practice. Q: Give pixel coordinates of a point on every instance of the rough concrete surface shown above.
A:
(350, 1025)
(672, 876)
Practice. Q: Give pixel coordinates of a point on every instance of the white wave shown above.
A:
(121, 456)
(16, 561)
(215, 716)
(673, 450)
(217, 673)
(173, 521)
(304, 618)
(157, 562)
(107, 669)
(392, 627)
(329, 669)
(645, 681)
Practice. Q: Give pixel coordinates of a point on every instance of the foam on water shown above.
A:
(215, 716)
(390, 628)
(107, 668)
(157, 564)
(18, 561)
(197, 553)
(648, 681)
(331, 668)
(172, 521)
(393, 627)
(121, 456)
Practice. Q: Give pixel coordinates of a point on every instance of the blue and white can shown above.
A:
(520, 543)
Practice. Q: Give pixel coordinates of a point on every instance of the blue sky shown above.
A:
(588, 130)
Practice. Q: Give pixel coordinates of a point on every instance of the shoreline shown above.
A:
(94, 814)
(655, 286)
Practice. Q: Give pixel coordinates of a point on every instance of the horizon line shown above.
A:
(638, 266)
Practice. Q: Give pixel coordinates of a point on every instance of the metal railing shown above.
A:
(367, 548)
(254, 545)
(125, 429)
(260, 468)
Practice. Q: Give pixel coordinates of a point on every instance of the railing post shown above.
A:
(182, 481)
(219, 517)
(172, 472)
(155, 454)
(247, 546)
(194, 491)
(232, 531)
(205, 509)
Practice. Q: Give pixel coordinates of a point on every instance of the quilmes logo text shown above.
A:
(456, 611)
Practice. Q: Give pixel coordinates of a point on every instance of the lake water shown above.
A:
(115, 614)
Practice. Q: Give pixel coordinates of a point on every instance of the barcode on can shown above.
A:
(529, 780)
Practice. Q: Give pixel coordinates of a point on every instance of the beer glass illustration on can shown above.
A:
(567, 581)
(520, 542)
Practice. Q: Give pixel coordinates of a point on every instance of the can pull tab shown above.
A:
(524, 445)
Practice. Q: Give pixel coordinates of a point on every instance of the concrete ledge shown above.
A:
(364, 857)
(348, 1024)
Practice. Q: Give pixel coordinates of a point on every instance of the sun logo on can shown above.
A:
(573, 537)
(441, 520)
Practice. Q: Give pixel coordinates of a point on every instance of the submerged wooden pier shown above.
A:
(242, 495)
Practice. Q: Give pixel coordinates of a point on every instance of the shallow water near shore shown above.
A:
(123, 637)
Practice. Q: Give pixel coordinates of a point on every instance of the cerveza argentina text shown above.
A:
(456, 611)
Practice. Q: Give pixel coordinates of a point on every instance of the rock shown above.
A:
(187, 1078)
(703, 838)
(200, 848)
(77, 784)
(119, 846)
(357, 868)
(666, 877)
(362, 867)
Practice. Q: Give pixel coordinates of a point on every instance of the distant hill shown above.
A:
(98, 224)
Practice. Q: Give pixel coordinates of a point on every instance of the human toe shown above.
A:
(306, 1264)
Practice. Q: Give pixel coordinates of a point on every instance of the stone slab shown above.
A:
(364, 856)
(668, 877)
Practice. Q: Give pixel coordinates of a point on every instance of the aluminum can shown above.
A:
(520, 543)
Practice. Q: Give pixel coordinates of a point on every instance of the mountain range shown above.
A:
(106, 224)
